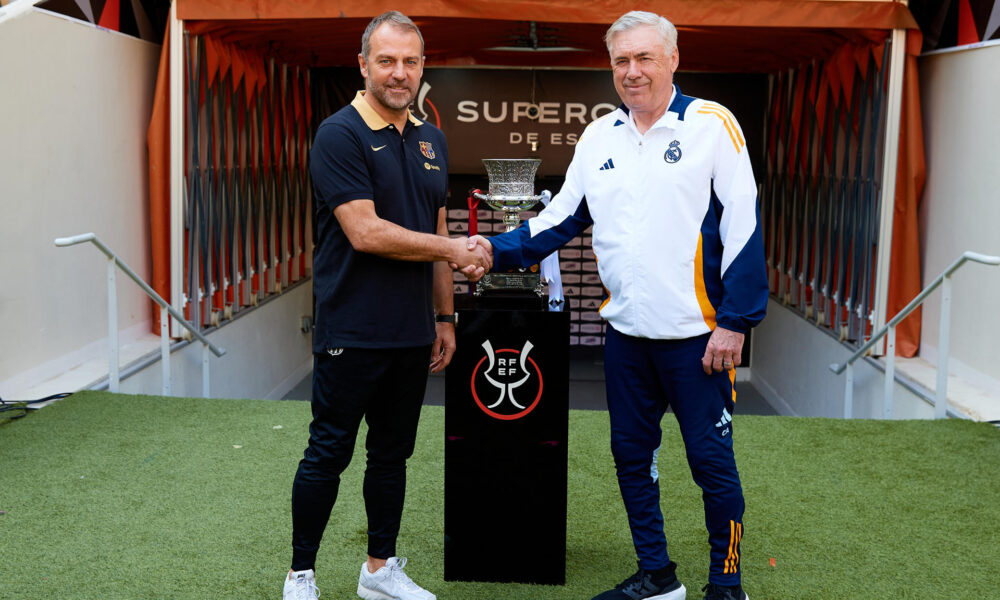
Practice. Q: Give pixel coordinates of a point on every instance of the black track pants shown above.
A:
(386, 387)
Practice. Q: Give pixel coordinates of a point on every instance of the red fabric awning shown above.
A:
(715, 35)
(470, 42)
(814, 14)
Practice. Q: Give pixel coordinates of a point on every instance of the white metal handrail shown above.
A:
(889, 331)
(113, 368)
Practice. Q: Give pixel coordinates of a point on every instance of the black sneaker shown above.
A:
(645, 586)
(724, 592)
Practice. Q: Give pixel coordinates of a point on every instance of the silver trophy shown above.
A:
(512, 183)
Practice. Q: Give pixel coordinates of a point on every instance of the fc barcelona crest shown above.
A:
(427, 150)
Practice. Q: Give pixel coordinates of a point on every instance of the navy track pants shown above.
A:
(643, 378)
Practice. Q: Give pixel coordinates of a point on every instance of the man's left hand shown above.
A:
(444, 347)
(724, 351)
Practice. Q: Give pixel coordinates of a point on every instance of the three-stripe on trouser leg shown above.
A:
(643, 377)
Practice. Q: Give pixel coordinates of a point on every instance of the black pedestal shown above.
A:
(506, 421)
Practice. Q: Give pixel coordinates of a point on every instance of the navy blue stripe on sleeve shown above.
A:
(507, 248)
(745, 283)
(519, 248)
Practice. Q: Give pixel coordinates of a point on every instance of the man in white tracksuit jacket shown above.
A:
(666, 182)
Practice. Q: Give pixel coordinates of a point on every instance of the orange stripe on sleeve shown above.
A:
(730, 118)
(608, 299)
(707, 310)
(736, 144)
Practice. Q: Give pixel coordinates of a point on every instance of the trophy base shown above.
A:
(510, 282)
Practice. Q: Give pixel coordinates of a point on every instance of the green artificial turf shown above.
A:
(113, 496)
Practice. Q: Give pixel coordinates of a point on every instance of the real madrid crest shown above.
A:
(673, 153)
(426, 149)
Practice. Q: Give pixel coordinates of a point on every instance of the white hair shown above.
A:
(638, 18)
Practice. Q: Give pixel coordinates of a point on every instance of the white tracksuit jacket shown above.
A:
(676, 226)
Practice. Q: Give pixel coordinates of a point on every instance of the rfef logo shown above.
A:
(506, 383)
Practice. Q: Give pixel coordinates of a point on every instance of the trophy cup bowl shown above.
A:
(512, 186)
(512, 183)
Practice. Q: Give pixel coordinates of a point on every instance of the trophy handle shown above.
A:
(510, 205)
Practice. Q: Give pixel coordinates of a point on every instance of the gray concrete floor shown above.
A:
(586, 390)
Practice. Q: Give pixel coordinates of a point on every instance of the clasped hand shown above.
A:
(473, 257)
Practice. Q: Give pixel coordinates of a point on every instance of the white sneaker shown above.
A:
(301, 585)
(390, 583)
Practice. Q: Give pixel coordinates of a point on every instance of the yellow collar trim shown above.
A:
(372, 119)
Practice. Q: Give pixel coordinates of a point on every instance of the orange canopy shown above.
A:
(879, 14)
(715, 35)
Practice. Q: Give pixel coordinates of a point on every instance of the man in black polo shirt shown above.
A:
(380, 274)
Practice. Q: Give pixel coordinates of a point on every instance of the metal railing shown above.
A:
(822, 198)
(113, 367)
(889, 331)
(246, 205)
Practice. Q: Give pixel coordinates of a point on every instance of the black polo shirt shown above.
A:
(364, 300)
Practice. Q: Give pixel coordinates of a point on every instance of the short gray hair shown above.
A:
(637, 18)
(394, 18)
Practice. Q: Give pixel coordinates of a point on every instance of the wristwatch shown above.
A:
(452, 318)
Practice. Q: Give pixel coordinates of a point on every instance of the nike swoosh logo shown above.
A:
(379, 148)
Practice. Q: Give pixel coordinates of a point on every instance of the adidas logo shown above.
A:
(724, 422)
(607, 165)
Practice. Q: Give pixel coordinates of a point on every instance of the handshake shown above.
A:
(473, 256)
